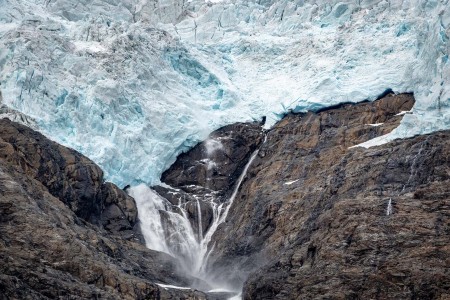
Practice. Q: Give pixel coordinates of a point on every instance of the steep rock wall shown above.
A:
(316, 217)
(49, 249)
(313, 210)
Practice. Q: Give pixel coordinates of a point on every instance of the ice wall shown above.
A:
(132, 83)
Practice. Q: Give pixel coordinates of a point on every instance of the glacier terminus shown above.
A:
(133, 83)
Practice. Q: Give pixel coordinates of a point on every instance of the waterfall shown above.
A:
(166, 227)
(389, 208)
(414, 165)
(414, 169)
(199, 221)
(238, 185)
(221, 212)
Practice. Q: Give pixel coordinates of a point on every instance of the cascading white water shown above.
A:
(164, 229)
(389, 208)
(167, 228)
(414, 165)
(199, 221)
(220, 214)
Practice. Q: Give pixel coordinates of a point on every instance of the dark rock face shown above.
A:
(119, 214)
(336, 238)
(311, 218)
(70, 177)
(294, 150)
(209, 170)
(313, 212)
(216, 163)
(48, 248)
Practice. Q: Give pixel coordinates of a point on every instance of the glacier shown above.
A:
(133, 83)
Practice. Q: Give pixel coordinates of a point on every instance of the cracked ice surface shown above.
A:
(133, 83)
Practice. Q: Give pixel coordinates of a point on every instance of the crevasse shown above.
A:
(133, 83)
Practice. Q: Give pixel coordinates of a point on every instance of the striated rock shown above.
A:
(299, 139)
(314, 218)
(48, 247)
(310, 220)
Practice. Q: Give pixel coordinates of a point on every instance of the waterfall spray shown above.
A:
(166, 227)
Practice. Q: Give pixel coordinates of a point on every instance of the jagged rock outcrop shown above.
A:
(49, 249)
(70, 177)
(310, 219)
(209, 170)
(331, 236)
(314, 217)
(313, 211)
(215, 163)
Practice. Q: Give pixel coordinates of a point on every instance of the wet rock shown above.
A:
(207, 173)
(216, 163)
(290, 156)
(310, 220)
(196, 203)
(346, 245)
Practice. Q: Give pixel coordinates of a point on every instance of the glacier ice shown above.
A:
(132, 83)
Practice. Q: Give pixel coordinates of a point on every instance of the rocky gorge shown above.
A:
(307, 215)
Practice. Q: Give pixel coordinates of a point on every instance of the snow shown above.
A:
(403, 112)
(133, 83)
(220, 290)
(375, 124)
(291, 182)
(374, 142)
(89, 46)
(167, 286)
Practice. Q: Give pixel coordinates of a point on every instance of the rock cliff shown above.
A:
(318, 218)
(64, 233)
(358, 224)
(313, 218)
(210, 170)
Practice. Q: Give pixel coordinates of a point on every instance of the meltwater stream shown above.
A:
(166, 228)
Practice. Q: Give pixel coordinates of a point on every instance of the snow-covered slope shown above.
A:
(133, 83)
